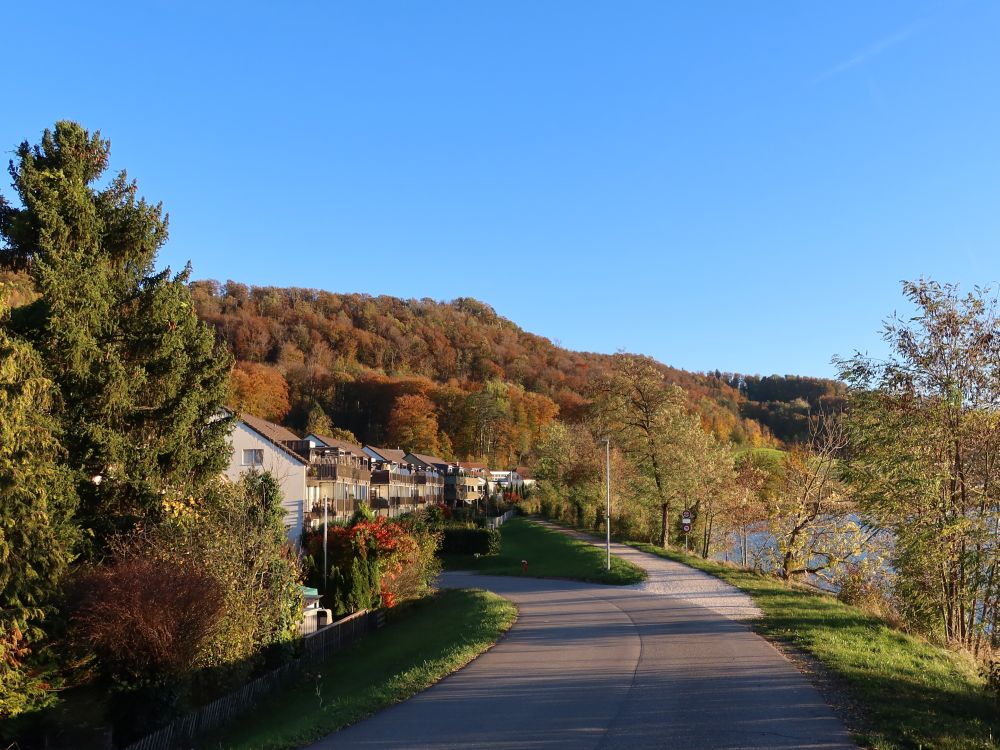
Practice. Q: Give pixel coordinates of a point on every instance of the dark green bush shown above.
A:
(470, 541)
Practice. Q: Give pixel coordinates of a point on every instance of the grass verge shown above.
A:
(910, 694)
(423, 642)
(549, 555)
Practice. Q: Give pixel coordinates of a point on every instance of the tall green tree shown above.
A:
(140, 379)
(651, 422)
(37, 534)
(925, 458)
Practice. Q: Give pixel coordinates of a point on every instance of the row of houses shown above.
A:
(320, 474)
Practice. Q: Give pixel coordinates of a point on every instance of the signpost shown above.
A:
(686, 527)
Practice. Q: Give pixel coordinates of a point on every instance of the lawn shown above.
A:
(549, 555)
(422, 642)
(910, 694)
(770, 457)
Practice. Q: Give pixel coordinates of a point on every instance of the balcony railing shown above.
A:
(338, 471)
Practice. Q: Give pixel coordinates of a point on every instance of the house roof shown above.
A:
(342, 444)
(273, 433)
(476, 467)
(429, 460)
(389, 454)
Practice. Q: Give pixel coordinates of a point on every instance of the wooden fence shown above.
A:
(315, 648)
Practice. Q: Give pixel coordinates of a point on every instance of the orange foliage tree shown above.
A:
(413, 424)
(258, 389)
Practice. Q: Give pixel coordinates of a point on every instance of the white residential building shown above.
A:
(260, 445)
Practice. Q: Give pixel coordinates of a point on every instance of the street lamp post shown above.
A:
(326, 523)
(607, 515)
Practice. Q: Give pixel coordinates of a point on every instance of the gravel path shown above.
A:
(676, 580)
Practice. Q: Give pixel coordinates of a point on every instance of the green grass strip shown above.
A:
(422, 642)
(910, 693)
(549, 555)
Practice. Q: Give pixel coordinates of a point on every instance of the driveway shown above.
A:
(592, 666)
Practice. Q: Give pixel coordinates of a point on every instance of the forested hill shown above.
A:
(449, 376)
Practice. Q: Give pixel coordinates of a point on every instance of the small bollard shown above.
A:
(524, 565)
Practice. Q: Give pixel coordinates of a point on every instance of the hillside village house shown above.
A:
(259, 445)
(400, 485)
(517, 478)
(312, 472)
(339, 477)
(461, 487)
(321, 474)
(430, 471)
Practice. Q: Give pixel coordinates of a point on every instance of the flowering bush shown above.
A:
(374, 562)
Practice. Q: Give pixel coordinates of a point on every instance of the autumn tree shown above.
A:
(318, 421)
(487, 425)
(810, 513)
(650, 422)
(745, 510)
(413, 424)
(569, 471)
(925, 431)
(260, 390)
(140, 378)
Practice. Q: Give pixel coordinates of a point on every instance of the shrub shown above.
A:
(867, 591)
(354, 586)
(465, 541)
(147, 619)
(236, 532)
(378, 561)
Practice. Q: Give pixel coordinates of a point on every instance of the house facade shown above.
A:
(430, 473)
(398, 486)
(338, 478)
(259, 445)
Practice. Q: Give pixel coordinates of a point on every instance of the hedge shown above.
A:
(464, 541)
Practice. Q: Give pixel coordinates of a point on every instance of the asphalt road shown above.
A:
(591, 666)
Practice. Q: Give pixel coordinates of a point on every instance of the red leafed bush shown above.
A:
(403, 553)
(146, 618)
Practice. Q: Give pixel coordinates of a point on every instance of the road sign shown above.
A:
(685, 527)
(686, 515)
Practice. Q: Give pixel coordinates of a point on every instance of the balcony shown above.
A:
(331, 472)
(384, 476)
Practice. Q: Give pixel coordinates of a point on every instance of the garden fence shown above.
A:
(497, 521)
(315, 648)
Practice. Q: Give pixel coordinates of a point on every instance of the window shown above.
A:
(253, 457)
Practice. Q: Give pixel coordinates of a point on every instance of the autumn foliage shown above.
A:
(488, 386)
(145, 617)
(260, 390)
(374, 562)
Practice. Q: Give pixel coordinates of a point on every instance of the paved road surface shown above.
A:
(677, 581)
(591, 666)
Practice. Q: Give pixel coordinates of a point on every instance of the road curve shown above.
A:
(592, 666)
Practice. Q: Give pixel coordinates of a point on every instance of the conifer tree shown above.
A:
(37, 534)
(139, 376)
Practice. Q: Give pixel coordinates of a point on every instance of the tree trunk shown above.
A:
(663, 526)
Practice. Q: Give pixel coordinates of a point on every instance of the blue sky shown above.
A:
(722, 185)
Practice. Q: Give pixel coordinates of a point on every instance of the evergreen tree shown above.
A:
(36, 530)
(317, 421)
(140, 378)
